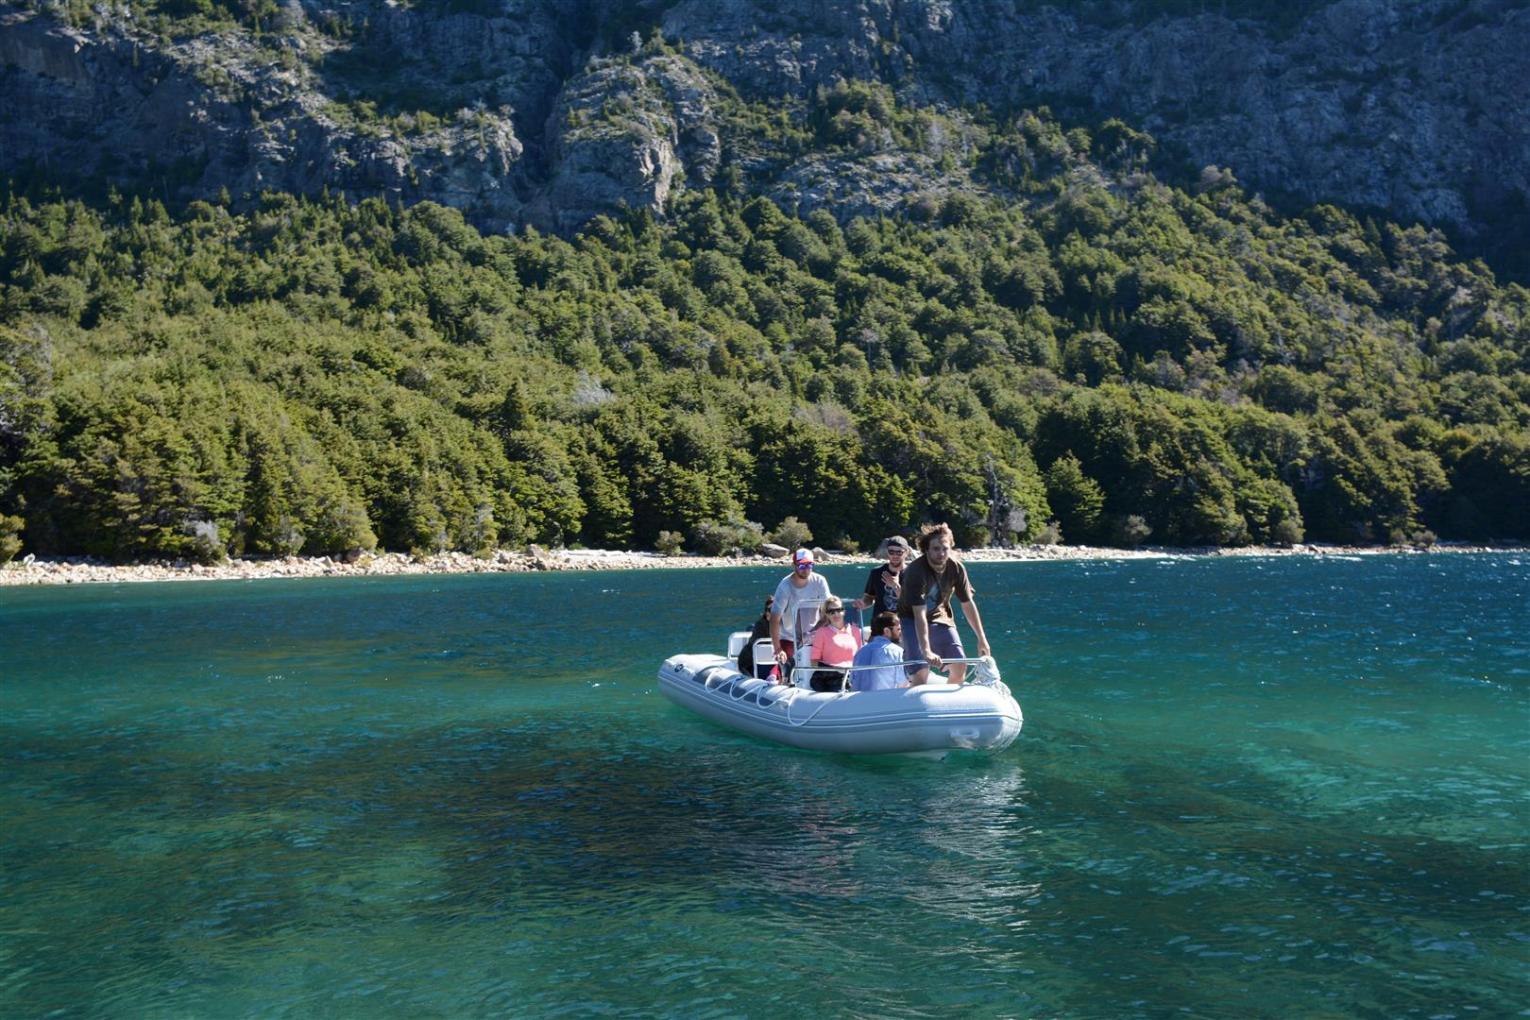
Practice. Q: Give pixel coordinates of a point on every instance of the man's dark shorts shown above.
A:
(944, 640)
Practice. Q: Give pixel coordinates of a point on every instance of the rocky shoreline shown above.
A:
(78, 570)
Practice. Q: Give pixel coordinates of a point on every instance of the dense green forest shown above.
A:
(1114, 364)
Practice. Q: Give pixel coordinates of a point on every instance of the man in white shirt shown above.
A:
(798, 594)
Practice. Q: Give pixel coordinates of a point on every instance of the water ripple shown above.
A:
(1269, 788)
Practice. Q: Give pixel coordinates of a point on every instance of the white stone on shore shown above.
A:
(73, 570)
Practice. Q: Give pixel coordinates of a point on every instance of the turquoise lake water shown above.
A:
(1245, 788)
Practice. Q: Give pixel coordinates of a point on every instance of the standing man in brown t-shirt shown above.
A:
(924, 605)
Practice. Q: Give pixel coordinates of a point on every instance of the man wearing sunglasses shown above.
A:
(802, 589)
(884, 582)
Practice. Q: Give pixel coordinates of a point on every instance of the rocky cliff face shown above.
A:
(1415, 108)
(1412, 108)
(223, 111)
(550, 112)
(627, 134)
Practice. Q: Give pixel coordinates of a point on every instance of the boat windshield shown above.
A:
(807, 619)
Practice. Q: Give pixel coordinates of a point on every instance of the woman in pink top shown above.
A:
(834, 644)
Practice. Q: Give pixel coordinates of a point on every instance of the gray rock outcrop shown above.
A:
(551, 112)
(623, 134)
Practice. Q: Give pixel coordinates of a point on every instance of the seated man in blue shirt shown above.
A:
(882, 651)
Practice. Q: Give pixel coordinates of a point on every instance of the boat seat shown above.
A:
(736, 641)
(764, 658)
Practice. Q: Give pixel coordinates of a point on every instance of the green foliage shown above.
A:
(1051, 534)
(10, 536)
(1130, 531)
(1489, 474)
(865, 116)
(322, 377)
(720, 538)
(1364, 484)
(1078, 499)
(1092, 358)
(1171, 459)
(791, 533)
(669, 543)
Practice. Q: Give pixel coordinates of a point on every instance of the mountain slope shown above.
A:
(1412, 108)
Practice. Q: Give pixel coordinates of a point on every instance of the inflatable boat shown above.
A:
(933, 718)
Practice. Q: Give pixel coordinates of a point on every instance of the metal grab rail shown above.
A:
(977, 678)
(981, 660)
(786, 689)
(885, 665)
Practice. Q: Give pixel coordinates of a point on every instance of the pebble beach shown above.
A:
(32, 570)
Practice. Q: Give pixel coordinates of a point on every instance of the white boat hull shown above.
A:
(932, 717)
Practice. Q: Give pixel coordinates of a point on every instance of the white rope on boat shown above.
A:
(820, 708)
(986, 674)
(777, 698)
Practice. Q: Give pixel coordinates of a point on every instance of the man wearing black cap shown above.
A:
(884, 583)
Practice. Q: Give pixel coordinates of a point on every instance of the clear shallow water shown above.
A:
(1245, 788)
